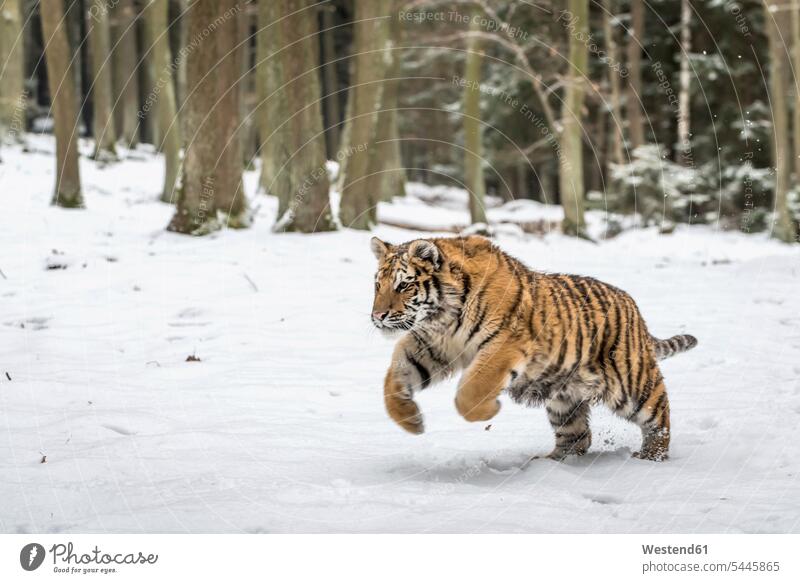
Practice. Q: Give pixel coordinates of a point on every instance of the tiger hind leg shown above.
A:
(570, 421)
(653, 419)
(642, 399)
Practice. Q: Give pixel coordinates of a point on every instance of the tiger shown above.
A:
(565, 341)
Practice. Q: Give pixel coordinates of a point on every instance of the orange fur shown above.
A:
(562, 340)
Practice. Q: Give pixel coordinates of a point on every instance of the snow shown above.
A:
(444, 209)
(280, 425)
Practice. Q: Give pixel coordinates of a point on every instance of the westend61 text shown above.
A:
(671, 550)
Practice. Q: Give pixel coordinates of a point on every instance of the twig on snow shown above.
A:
(251, 282)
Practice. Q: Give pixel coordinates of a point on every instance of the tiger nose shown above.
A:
(379, 315)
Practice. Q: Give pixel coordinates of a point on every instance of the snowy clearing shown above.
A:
(280, 426)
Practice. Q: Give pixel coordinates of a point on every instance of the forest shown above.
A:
(190, 191)
(637, 109)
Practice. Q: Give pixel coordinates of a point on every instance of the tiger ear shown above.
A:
(425, 250)
(379, 248)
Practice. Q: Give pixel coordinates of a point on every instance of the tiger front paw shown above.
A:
(477, 411)
(406, 414)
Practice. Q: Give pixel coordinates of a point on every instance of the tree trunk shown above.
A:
(178, 42)
(62, 95)
(12, 72)
(521, 179)
(547, 174)
(126, 73)
(396, 172)
(273, 104)
(796, 67)
(73, 15)
(571, 185)
(473, 128)
(247, 99)
(228, 73)
(148, 90)
(784, 227)
(149, 130)
(615, 127)
(344, 138)
(156, 23)
(330, 83)
(360, 156)
(684, 153)
(634, 97)
(296, 140)
(196, 212)
(32, 50)
(389, 176)
(103, 128)
(599, 160)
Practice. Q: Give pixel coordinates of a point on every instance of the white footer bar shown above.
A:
(398, 558)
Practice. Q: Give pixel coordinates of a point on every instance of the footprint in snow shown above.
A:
(707, 423)
(120, 430)
(190, 313)
(603, 499)
(36, 323)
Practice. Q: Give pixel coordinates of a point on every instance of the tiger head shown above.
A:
(407, 289)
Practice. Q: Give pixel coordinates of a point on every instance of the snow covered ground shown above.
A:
(280, 425)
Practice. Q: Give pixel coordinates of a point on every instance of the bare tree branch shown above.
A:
(517, 50)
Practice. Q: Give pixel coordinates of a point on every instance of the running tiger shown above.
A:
(563, 340)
